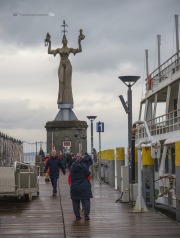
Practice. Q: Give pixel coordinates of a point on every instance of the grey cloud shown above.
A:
(18, 114)
(117, 33)
(120, 24)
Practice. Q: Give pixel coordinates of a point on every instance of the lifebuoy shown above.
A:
(149, 82)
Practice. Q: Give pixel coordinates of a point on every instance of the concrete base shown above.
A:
(140, 205)
(64, 131)
(133, 191)
(125, 183)
(119, 164)
(111, 173)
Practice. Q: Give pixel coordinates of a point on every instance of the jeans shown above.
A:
(54, 184)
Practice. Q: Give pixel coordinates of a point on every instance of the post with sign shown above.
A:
(92, 118)
(99, 128)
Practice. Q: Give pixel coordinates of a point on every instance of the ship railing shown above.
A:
(163, 72)
(160, 125)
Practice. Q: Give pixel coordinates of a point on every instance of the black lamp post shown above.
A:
(129, 81)
(91, 118)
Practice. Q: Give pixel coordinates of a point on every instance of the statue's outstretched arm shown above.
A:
(53, 52)
(80, 46)
(80, 38)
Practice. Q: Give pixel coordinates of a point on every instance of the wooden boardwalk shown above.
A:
(42, 218)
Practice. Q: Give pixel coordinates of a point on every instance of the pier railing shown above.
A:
(31, 151)
(11, 150)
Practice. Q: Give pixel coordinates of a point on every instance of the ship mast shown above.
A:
(177, 33)
(159, 52)
(147, 67)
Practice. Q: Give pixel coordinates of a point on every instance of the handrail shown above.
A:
(161, 73)
(158, 68)
(166, 114)
(162, 124)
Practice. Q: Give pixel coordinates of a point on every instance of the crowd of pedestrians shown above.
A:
(77, 167)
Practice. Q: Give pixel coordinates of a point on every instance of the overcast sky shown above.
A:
(117, 34)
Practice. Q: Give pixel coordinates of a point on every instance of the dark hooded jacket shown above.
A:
(80, 186)
(87, 160)
(54, 163)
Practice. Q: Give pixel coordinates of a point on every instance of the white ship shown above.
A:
(159, 121)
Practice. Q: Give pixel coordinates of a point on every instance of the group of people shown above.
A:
(78, 178)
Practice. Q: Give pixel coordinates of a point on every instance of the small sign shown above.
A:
(100, 126)
(66, 143)
(66, 146)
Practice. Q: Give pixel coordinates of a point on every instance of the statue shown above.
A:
(65, 68)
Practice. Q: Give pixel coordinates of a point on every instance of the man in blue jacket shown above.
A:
(54, 163)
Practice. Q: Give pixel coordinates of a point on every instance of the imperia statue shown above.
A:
(65, 68)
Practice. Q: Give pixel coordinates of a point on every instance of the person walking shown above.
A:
(41, 152)
(60, 155)
(70, 159)
(41, 155)
(54, 163)
(80, 187)
(47, 179)
(64, 160)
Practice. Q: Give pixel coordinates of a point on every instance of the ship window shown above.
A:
(160, 159)
(170, 161)
(156, 165)
(142, 110)
(166, 170)
(173, 160)
(173, 70)
(161, 108)
(175, 108)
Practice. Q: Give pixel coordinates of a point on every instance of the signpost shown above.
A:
(99, 128)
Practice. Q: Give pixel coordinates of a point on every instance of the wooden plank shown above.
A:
(43, 217)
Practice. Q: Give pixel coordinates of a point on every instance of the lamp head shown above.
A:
(91, 118)
(129, 80)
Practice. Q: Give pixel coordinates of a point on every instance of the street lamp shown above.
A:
(129, 81)
(92, 118)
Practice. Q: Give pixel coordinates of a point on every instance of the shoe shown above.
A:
(78, 218)
(87, 218)
(54, 194)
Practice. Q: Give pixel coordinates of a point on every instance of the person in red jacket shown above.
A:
(47, 179)
(60, 155)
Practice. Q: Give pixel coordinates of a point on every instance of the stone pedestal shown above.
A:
(60, 133)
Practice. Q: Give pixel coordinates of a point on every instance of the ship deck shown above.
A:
(42, 217)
